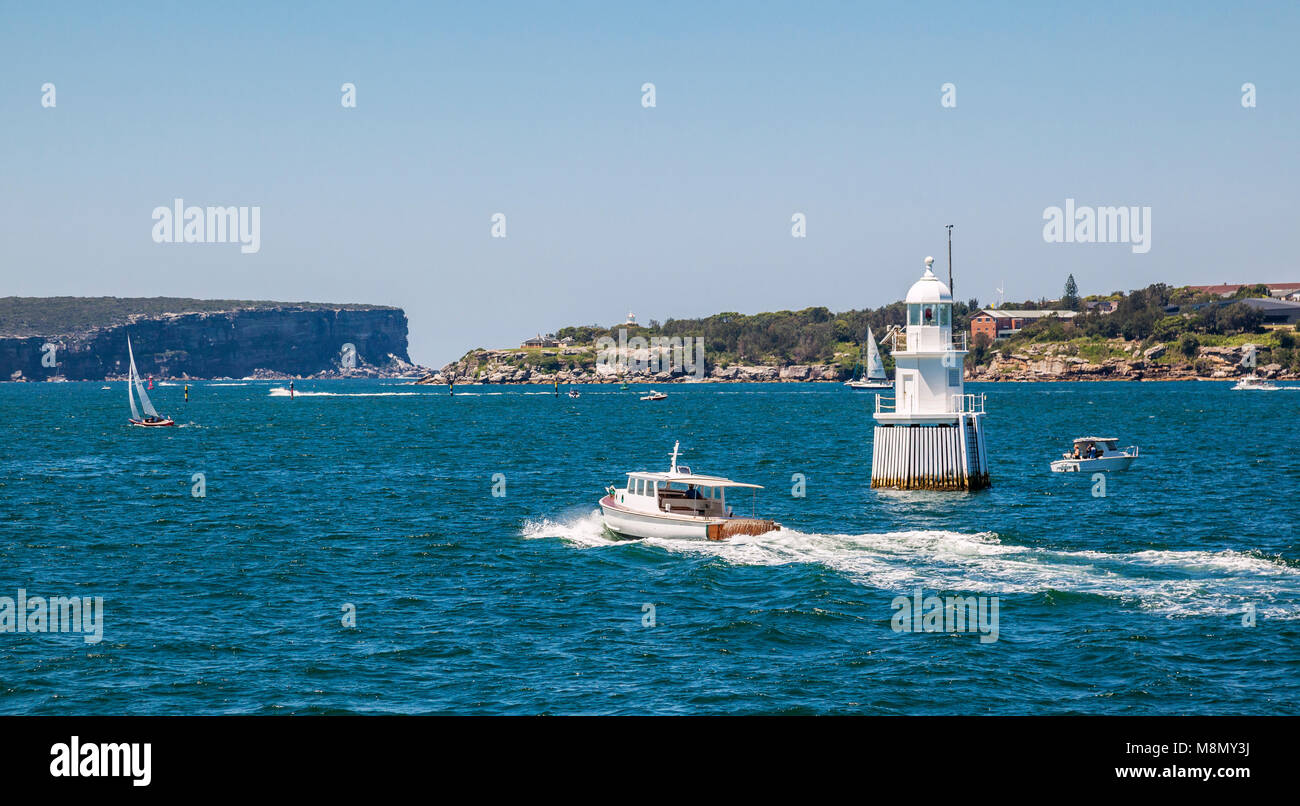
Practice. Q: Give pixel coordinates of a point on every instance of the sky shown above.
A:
(681, 209)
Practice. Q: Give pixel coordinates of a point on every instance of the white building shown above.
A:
(929, 433)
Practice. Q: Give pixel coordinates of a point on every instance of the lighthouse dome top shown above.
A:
(929, 288)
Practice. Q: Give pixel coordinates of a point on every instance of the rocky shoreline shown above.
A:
(1053, 362)
(1130, 361)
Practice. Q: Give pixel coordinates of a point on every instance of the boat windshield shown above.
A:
(681, 489)
(690, 499)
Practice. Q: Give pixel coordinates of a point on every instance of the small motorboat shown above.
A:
(654, 395)
(1095, 453)
(574, 393)
(151, 418)
(1253, 382)
(678, 504)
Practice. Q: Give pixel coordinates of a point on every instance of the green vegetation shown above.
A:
(60, 316)
(1201, 321)
(818, 336)
(809, 336)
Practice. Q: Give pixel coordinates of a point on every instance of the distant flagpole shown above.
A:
(950, 288)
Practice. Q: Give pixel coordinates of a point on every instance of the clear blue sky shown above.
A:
(763, 109)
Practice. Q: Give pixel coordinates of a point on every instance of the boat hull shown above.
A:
(631, 523)
(868, 386)
(1106, 463)
(159, 424)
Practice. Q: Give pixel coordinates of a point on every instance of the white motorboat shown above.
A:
(574, 393)
(654, 395)
(678, 504)
(1092, 454)
(875, 377)
(1255, 383)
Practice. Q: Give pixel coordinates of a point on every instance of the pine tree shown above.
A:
(1070, 299)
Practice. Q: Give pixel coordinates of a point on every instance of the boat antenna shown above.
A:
(954, 293)
(673, 469)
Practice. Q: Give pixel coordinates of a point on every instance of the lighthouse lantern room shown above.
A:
(929, 434)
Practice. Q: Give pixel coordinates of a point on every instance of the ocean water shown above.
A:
(376, 498)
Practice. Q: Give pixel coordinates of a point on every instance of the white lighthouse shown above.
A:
(929, 433)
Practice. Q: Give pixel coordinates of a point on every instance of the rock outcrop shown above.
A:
(287, 341)
(1051, 362)
(578, 365)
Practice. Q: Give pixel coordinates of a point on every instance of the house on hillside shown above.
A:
(539, 341)
(1276, 311)
(1102, 306)
(999, 323)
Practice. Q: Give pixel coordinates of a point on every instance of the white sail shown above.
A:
(134, 378)
(875, 367)
(130, 379)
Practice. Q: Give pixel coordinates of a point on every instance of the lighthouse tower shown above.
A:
(929, 433)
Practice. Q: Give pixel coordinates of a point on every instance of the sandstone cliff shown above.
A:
(285, 340)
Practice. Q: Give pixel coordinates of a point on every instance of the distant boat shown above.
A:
(1095, 453)
(574, 392)
(876, 377)
(133, 386)
(1255, 383)
(654, 395)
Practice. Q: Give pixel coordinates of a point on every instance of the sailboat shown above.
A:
(875, 377)
(133, 386)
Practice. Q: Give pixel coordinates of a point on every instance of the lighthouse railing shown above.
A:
(886, 404)
(968, 404)
(898, 341)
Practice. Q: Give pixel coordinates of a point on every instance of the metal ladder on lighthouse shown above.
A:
(972, 446)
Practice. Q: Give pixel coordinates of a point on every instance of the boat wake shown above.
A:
(280, 391)
(1171, 583)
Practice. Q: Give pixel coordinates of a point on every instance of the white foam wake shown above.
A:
(1174, 583)
(280, 391)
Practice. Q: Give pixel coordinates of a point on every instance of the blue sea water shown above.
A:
(379, 496)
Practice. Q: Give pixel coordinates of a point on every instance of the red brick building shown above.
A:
(998, 323)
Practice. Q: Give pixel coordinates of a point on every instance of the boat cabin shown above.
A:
(681, 493)
(1094, 447)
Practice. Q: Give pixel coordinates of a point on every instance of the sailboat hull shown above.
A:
(863, 386)
(159, 423)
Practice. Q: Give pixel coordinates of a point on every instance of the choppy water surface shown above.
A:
(378, 496)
